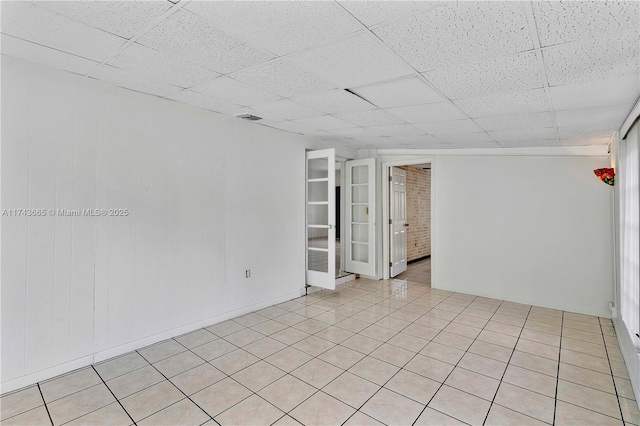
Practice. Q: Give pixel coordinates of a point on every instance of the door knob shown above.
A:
(406, 224)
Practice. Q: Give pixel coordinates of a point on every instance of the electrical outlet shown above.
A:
(247, 273)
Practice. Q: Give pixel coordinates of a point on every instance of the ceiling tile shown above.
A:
(190, 38)
(282, 78)
(123, 18)
(32, 52)
(291, 126)
(524, 135)
(401, 92)
(519, 121)
(334, 101)
(590, 130)
(325, 122)
(376, 117)
(285, 109)
(440, 111)
(377, 12)
(355, 132)
(232, 90)
(459, 32)
(616, 91)
(529, 143)
(505, 103)
(474, 145)
(562, 22)
(196, 99)
(352, 62)
(581, 136)
(128, 80)
(605, 118)
(592, 59)
(32, 23)
(396, 130)
(462, 138)
(143, 60)
(418, 140)
(278, 27)
(504, 74)
(449, 127)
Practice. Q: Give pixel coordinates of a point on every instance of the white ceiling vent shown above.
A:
(247, 116)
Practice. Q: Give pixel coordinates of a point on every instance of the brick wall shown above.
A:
(418, 212)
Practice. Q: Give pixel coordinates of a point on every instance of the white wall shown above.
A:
(535, 230)
(204, 206)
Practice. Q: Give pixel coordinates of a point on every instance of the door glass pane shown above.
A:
(318, 168)
(360, 252)
(359, 214)
(318, 261)
(359, 174)
(317, 214)
(360, 194)
(318, 191)
(360, 233)
(318, 238)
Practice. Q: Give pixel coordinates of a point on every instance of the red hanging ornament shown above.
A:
(606, 175)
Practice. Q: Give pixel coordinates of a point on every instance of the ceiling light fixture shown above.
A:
(247, 116)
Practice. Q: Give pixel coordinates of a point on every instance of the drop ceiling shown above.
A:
(395, 74)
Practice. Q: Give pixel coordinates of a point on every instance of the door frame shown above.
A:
(386, 165)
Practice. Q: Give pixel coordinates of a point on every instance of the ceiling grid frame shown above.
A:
(537, 47)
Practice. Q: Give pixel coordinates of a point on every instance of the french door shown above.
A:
(398, 219)
(321, 215)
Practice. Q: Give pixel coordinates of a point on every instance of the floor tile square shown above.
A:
(479, 364)
(288, 359)
(453, 340)
(431, 417)
(213, 350)
(225, 328)
(264, 347)
(589, 398)
(531, 380)
(391, 408)
(499, 415)
(130, 383)
(34, 417)
(178, 363)
(289, 336)
(313, 345)
(269, 327)
(196, 379)
(287, 392)
(490, 350)
(334, 334)
(473, 383)
(183, 412)
(115, 367)
(220, 396)
(249, 320)
(80, 403)
(322, 409)
(443, 353)
(376, 371)
(413, 386)
(408, 342)
(341, 357)
(526, 402)
(535, 363)
(585, 361)
(162, 350)
(258, 375)
(569, 414)
(244, 337)
(586, 377)
(429, 367)
(252, 411)
(460, 405)
(150, 400)
(20, 402)
(361, 419)
(317, 373)
(392, 354)
(351, 389)
(234, 361)
(195, 338)
(112, 414)
(67, 384)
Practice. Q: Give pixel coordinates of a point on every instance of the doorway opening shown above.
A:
(407, 221)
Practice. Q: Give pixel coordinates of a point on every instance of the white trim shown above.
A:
(589, 150)
(47, 373)
(67, 367)
(385, 211)
(631, 118)
(631, 354)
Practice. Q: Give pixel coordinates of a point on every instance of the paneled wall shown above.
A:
(207, 197)
(418, 212)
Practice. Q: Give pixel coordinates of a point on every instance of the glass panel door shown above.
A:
(320, 204)
(360, 188)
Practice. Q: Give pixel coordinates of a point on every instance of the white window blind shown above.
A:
(629, 210)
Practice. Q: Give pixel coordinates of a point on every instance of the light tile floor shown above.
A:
(390, 352)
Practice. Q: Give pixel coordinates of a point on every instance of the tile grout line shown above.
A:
(168, 380)
(506, 368)
(116, 398)
(555, 398)
(44, 403)
(615, 388)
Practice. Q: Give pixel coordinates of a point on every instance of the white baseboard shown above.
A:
(66, 367)
(45, 374)
(631, 355)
